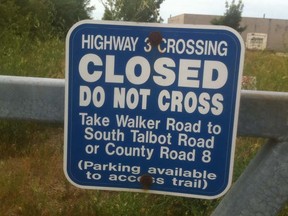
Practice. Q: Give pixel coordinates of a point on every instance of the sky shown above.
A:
(276, 9)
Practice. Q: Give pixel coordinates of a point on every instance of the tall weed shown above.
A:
(19, 56)
(269, 68)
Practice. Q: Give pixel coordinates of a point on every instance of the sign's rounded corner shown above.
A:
(70, 179)
(222, 192)
(77, 25)
(236, 34)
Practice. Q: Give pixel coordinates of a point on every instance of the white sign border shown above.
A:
(158, 25)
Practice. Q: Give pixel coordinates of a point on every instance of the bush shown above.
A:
(19, 56)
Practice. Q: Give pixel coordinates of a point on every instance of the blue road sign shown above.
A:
(152, 107)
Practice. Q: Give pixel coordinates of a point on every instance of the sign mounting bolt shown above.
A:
(155, 38)
(146, 180)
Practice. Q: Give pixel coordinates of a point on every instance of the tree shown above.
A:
(111, 10)
(68, 12)
(132, 10)
(23, 19)
(232, 16)
(41, 19)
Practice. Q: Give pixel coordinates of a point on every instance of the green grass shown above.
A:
(39, 59)
(32, 180)
(31, 174)
(270, 70)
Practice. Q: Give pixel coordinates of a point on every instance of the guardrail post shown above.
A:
(263, 187)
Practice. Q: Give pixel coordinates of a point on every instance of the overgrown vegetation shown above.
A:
(41, 20)
(31, 174)
(32, 181)
(39, 59)
(132, 10)
(32, 33)
(269, 68)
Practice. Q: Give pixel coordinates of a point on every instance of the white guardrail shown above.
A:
(262, 189)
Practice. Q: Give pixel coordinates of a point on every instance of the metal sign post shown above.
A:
(152, 107)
